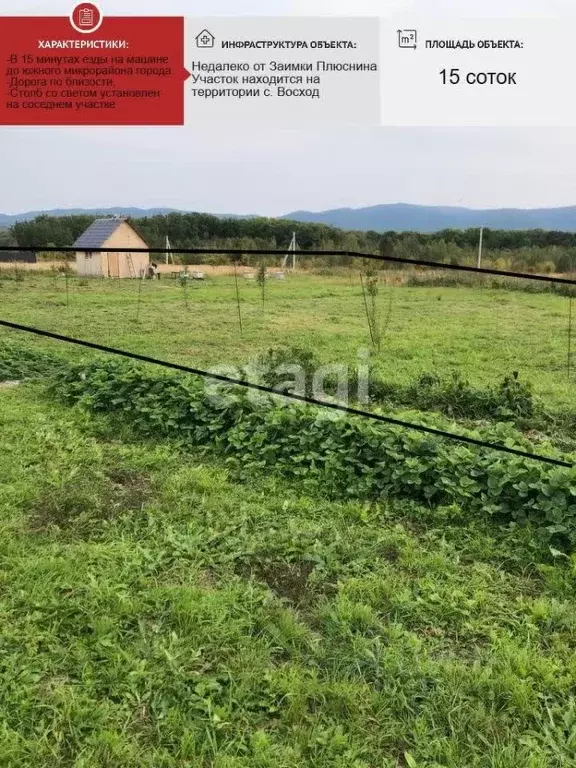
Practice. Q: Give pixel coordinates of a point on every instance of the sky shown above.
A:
(274, 171)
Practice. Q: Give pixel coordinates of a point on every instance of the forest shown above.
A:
(527, 250)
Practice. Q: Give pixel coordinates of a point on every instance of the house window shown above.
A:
(89, 254)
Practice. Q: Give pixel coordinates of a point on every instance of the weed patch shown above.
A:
(510, 400)
(18, 362)
(343, 457)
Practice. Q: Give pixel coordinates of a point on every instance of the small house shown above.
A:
(111, 233)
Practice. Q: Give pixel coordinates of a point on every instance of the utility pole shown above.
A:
(291, 255)
(480, 248)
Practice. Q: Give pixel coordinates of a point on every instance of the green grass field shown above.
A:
(485, 334)
(159, 611)
(157, 614)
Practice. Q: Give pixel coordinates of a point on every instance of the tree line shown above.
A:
(532, 250)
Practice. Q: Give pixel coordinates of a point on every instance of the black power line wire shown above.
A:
(301, 398)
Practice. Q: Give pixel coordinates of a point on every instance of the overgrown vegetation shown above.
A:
(277, 364)
(510, 400)
(19, 362)
(453, 279)
(342, 457)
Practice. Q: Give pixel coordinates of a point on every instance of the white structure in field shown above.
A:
(111, 233)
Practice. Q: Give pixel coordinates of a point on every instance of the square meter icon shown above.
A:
(407, 38)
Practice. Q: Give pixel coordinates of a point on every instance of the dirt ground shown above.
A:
(209, 269)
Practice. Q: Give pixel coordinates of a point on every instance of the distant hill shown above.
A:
(420, 218)
(6, 220)
(398, 217)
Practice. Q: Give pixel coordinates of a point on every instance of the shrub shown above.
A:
(510, 399)
(274, 362)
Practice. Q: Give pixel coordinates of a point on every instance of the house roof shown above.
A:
(97, 234)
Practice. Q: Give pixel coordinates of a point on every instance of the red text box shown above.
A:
(129, 72)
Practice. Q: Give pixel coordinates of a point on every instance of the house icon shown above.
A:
(205, 39)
